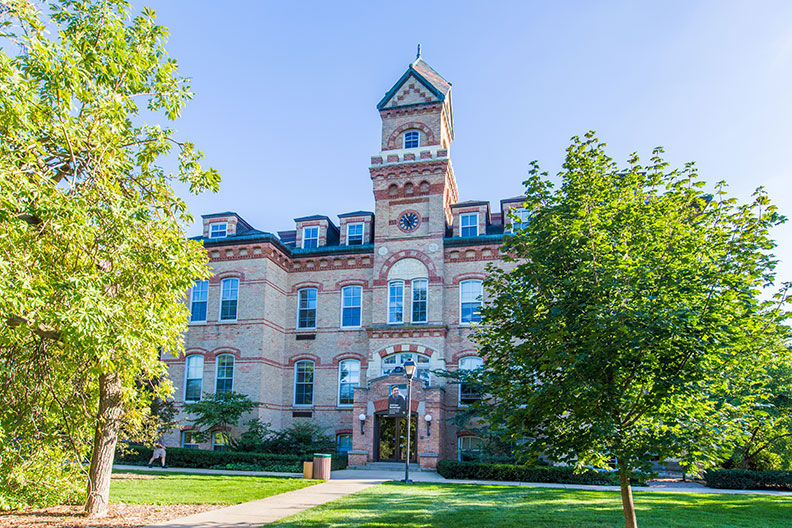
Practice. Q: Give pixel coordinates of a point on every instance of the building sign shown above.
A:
(397, 400)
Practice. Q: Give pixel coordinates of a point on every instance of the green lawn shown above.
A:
(185, 488)
(465, 505)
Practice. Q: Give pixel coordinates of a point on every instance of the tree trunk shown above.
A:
(108, 423)
(626, 495)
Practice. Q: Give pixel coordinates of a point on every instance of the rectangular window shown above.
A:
(193, 377)
(469, 393)
(218, 230)
(303, 383)
(310, 237)
(396, 302)
(189, 440)
(351, 298)
(468, 225)
(470, 293)
(306, 308)
(355, 234)
(348, 379)
(419, 300)
(219, 440)
(199, 298)
(523, 215)
(225, 374)
(229, 294)
(343, 443)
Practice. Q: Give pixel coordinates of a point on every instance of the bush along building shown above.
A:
(312, 323)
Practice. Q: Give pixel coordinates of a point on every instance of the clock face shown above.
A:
(408, 221)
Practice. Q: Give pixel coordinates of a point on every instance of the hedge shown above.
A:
(747, 479)
(205, 459)
(452, 469)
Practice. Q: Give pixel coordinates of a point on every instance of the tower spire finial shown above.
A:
(418, 55)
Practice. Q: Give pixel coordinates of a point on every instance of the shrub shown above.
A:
(202, 458)
(747, 479)
(452, 469)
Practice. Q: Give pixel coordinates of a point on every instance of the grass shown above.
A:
(189, 488)
(460, 505)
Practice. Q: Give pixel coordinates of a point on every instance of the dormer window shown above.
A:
(355, 234)
(523, 215)
(218, 230)
(310, 237)
(468, 225)
(412, 139)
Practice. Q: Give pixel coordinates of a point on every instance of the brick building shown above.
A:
(310, 323)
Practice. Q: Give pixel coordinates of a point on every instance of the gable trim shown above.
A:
(396, 87)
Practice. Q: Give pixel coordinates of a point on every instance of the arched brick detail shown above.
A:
(351, 282)
(190, 427)
(231, 274)
(408, 253)
(465, 433)
(468, 276)
(195, 350)
(347, 430)
(300, 357)
(306, 284)
(465, 353)
(411, 125)
(405, 347)
(349, 355)
(219, 351)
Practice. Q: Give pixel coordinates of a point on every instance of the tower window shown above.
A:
(412, 139)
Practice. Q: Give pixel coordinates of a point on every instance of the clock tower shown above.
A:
(413, 180)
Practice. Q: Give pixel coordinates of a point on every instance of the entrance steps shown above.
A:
(388, 466)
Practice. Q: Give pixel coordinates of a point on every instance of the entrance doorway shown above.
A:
(390, 439)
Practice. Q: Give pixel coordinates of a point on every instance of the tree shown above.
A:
(219, 411)
(632, 318)
(94, 263)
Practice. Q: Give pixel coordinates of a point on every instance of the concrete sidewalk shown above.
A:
(256, 513)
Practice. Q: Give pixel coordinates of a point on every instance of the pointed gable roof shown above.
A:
(424, 73)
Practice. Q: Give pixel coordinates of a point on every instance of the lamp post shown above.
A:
(409, 372)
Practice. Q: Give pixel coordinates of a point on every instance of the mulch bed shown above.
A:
(119, 515)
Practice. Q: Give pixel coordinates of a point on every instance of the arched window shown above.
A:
(397, 360)
(198, 299)
(348, 379)
(393, 189)
(469, 393)
(420, 300)
(412, 139)
(306, 308)
(408, 189)
(224, 381)
(424, 187)
(343, 443)
(396, 302)
(303, 382)
(470, 294)
(351, 301)
(470, 448)
(229, 295)
(193, 377)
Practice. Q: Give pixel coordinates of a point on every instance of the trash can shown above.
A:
(321, 466)
(307, 470)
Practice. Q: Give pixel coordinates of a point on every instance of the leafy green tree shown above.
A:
(93, 258)
(631, 324)
(219, 411)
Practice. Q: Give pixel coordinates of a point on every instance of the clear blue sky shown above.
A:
(285, 93)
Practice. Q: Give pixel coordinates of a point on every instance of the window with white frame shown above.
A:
(229, 295)
(225, 374)
(468, 392)
(468, 224)
(189, 439)
(522, 219)
(303, 382)
(310, 238)
(218, 230)
(470, 294)
(470, 448)
(343, 443)
(306, 308)
(412, 139)
(351, 300)
(193, 377)
(396, 302)
(219, 440)
(348, 379)
(420, 298)
(355, 234)
(397, 360)
(198, 300)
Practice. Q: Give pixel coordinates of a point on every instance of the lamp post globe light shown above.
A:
(409, 372)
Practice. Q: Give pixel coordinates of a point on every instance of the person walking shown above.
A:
(159, 452)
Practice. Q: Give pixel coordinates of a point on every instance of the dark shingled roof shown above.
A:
(469, 203)
(356, 213)
(432, 76)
